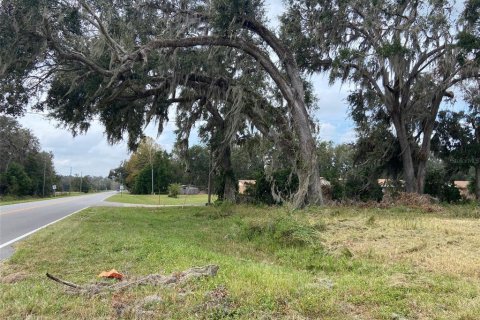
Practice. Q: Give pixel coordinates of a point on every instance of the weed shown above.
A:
(370, 221)
(287, 230)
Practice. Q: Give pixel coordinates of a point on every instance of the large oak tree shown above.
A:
(404, 53)
(126, 61)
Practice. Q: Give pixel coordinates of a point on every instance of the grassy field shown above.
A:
(328, 263)
(197, 199)
(12, 200)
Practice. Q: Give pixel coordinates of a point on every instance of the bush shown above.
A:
(288, 230)
(434, 181)
(357, 187)
(284, 181)
(174, 190)
(450, 193)
(471, 185)
(436, 186)
(222, 209)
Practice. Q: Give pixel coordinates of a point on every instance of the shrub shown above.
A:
(223, 209)
(436, 186)
(284, 181)
(450, 193)
(434, 180)
(288, 230)
(357, 187)
(471, 185)
(174, 190)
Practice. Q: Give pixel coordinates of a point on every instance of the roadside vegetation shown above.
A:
(328, 263)
(14, 200)
(163, 199)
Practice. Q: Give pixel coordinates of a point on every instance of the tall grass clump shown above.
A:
(290, 230)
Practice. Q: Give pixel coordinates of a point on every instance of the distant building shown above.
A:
(186, 189)
(326, 188)
(244, 184)
(462, 186)
(389, 184)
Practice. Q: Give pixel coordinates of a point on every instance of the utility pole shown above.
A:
(81, 180)
(151, 163)
(70, 182)
(121, 185)
(210, 178)
(44, 170)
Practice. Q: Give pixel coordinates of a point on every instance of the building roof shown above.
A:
(461, 184)
(247, 181)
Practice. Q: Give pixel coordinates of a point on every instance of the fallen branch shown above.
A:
(70, 284)
(152, 279)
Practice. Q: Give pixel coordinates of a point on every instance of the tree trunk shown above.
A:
(407, 159)
(477, 181)
(229, 182)
(426, 143)
(309, 188)
(421, 175)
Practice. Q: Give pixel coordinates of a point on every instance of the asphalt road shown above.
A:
(18, 221)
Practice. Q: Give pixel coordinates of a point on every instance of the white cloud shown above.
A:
(348, 136)
(327, 131)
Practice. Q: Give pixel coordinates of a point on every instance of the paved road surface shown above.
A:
(18, 221)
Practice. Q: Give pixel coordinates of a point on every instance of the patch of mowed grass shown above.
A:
(273, 263)
(163, 199)
(7, 200)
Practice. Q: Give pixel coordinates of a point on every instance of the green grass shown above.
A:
(197, 199)
(14, 200)
(323, 263)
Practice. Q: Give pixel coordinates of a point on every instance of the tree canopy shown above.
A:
(402, 56)
(127, 62)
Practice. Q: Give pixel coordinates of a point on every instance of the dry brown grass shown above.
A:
(433, 243)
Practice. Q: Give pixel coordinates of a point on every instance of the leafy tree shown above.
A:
(469, 37)
(335, 161)
(15, 181)
(457, 137)
(148, 170)
(125, 62)
(439, 184)
(143, 181)
(40, 169)
(198, 158)
(402, 54)
(247, 159)
(16, 144)
(143, 156)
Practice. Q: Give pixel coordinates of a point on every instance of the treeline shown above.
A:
(25, 170)
(350, 171)
(192, 168)
(76, 183)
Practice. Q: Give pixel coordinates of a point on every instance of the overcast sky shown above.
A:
(90, 154)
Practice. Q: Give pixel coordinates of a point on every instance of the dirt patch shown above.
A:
(14, 277)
